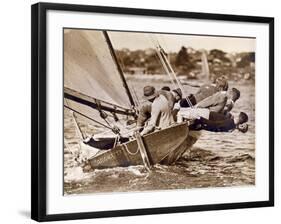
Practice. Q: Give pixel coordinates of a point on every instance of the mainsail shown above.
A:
(91, 73)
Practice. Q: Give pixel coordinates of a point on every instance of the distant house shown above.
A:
(137, 70)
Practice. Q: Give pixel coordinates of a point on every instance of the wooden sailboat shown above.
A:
(94, 83)
(158, 145)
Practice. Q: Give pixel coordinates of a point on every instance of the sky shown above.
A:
(173, 43)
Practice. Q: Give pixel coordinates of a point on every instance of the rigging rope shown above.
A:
(104, 115)
(91, 119)
(129, 152)
(168, 68)
(78, 129)
(154, 42)
(174, 74)
(135, 95)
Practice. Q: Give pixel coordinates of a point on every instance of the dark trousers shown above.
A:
(184, 103)
(215, 116)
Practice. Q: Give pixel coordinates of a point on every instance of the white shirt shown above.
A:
(193, 113)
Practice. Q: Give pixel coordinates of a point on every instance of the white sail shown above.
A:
(90, 69)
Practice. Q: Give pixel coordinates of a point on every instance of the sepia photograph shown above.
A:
(145, 111)
(157, 111)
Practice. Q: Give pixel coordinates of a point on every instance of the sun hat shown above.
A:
(178, 91)
(149, 92)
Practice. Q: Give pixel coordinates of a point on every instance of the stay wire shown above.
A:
(91, 119)
(177, 80)
(169, 70)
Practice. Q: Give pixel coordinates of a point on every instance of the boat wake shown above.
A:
(197, 168)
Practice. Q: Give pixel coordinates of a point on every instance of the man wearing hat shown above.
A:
(161, 110)
(149, 95)
(172, 96)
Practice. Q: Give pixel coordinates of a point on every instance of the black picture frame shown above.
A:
(39, 108)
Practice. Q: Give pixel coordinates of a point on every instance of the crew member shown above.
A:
(213, 121)
(206, 91)
(161, 111)
(235, 95)
(149, 94)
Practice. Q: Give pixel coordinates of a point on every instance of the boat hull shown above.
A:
(173, 156)
(165, 145)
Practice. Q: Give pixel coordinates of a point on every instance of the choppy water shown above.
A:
(216, 160)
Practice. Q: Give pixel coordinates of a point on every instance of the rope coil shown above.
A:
(130, 153)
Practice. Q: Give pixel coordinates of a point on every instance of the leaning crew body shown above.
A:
(205, 91)
(213, 121)
(215, 102)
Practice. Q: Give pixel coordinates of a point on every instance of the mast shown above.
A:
(118, 67)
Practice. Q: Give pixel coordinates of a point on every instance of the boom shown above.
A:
(95, 103)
